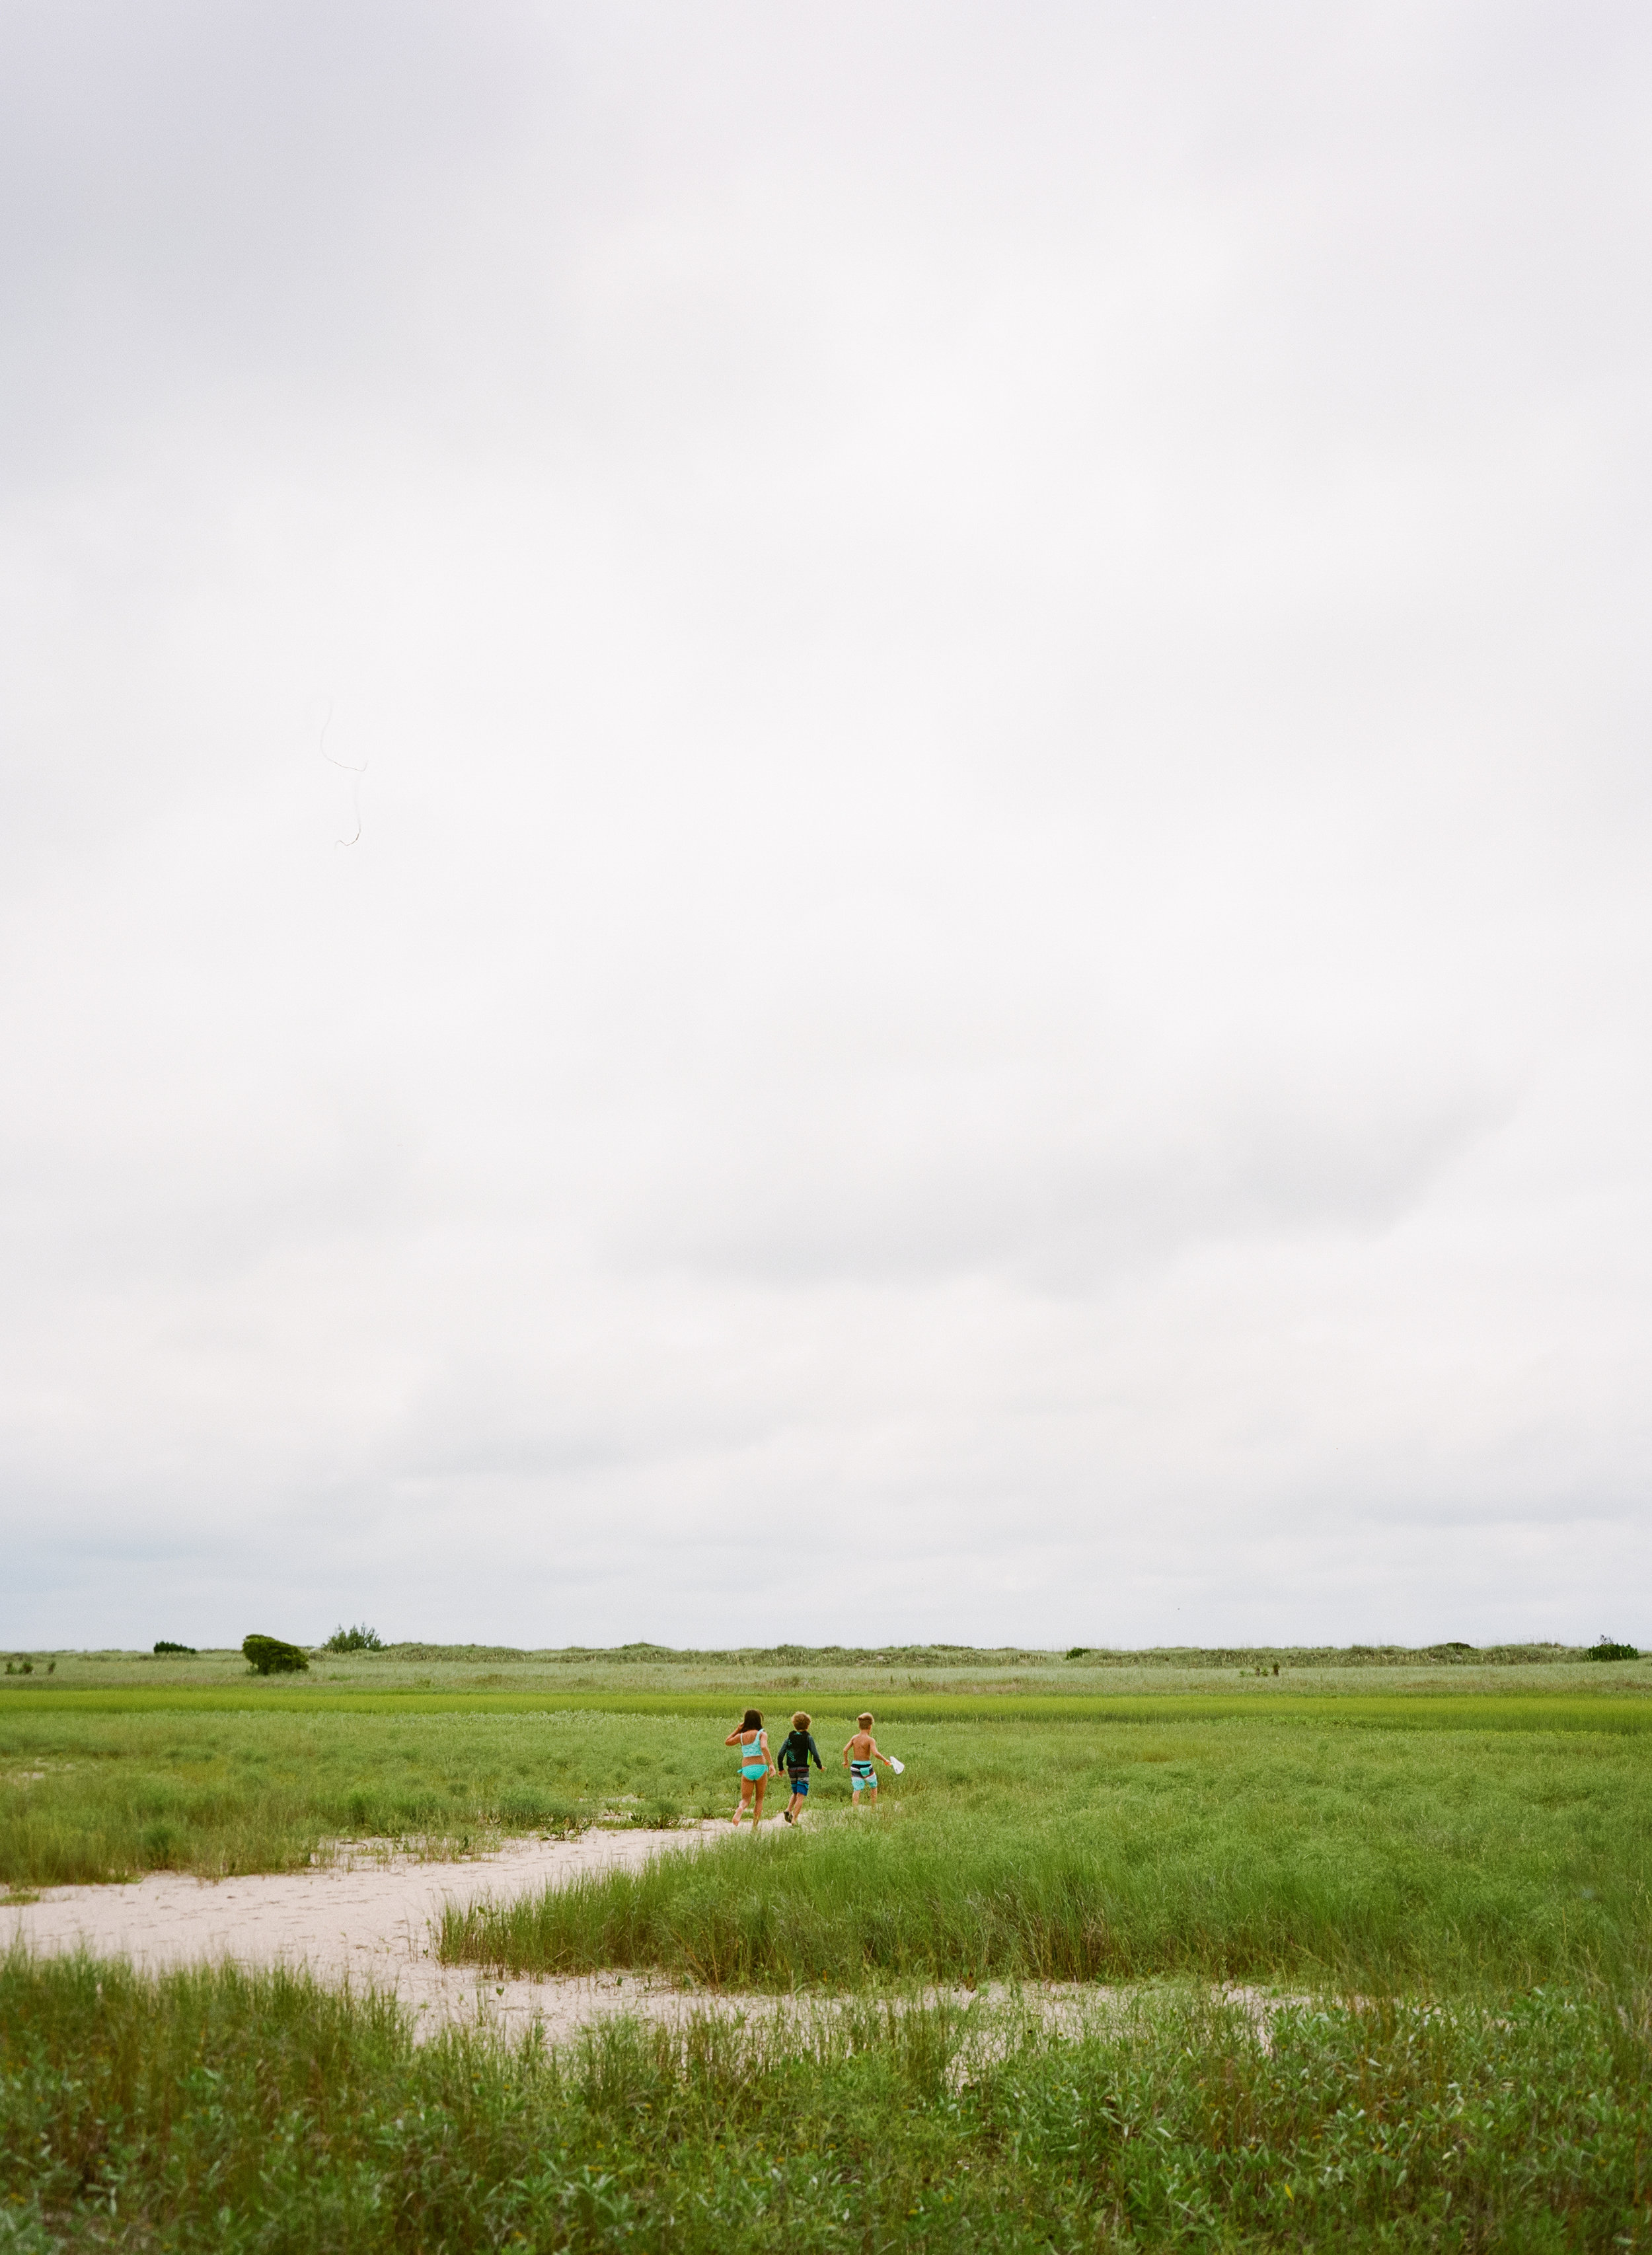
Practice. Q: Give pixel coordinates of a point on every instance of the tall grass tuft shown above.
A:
(941, 1898)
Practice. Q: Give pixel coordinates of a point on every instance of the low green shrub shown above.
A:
(361, 1638)
(166, 1644)
(1606, 1650)
(271, 1655)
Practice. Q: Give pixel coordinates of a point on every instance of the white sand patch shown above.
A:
(373, 1921)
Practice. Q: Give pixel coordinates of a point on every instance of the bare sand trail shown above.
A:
(368, 1922)
(375, 1923)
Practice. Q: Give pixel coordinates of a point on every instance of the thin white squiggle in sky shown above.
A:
(355, 787)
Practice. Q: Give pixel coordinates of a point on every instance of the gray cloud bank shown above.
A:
(1000, 917)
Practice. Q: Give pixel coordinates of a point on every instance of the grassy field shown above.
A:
(227, 2112)
(775, 1671)
(1462, 1845)
(1382, 1842)
(1257, 1846)
(105, 1795)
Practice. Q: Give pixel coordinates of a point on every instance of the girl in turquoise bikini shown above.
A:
(755, 1768)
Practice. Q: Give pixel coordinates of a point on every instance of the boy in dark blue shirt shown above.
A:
(793, 1758)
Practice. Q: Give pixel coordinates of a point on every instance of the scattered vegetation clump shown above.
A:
(361, 1638)
(220, 2108)
(271, 1655)
(459, 1653)
(23, 1667)
(1605, 1649)
(165, 1644)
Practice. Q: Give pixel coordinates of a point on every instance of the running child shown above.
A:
(794, 1758)
(755, 1765)
(858, 1756)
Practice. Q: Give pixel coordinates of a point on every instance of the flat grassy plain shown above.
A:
(1454, 1858)
(776, 1670)
(1500, 1831)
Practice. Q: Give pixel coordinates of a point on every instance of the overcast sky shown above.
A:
(825, 822)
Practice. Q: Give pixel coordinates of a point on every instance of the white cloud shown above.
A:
(1000, 907)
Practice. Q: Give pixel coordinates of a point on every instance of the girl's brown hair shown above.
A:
(754, 1720)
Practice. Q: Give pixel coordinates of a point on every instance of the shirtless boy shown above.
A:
(858, 1756)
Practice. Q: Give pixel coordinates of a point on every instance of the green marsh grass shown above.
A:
(108, 1796)
(226, 2111)
(1386, 1853)
(1238, 1848)
(1474, 1868)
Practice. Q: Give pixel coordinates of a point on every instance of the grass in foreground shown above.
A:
(229, 2111)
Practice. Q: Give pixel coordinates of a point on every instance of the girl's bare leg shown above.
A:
(745, 1799)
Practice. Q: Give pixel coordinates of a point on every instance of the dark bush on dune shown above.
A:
(271, 1656)
(354, 1639)
(166, 1644)
(1606, 1650)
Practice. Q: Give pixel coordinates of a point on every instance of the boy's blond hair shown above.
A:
(800, 1722)
(866, 1722)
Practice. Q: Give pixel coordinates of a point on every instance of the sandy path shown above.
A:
(370, 1922)
(377, 1923)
